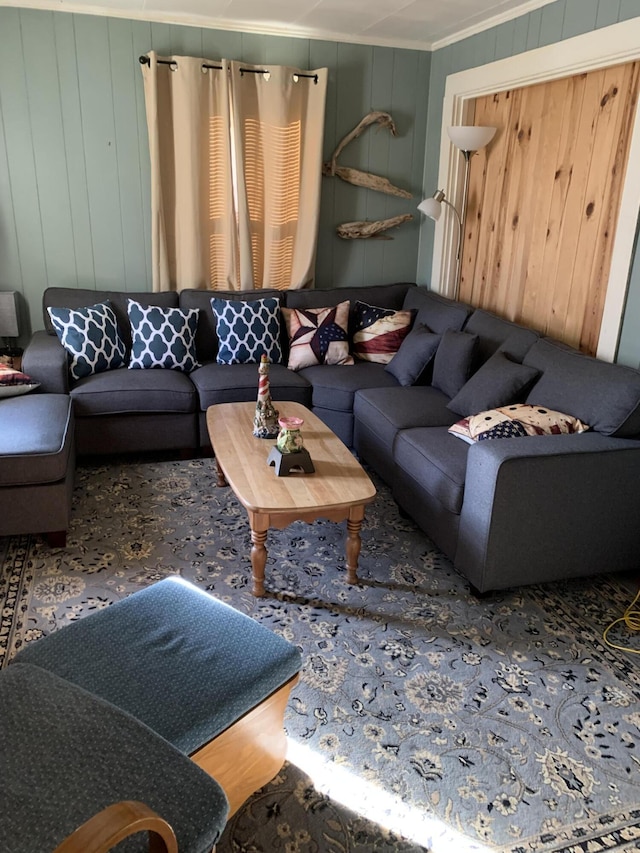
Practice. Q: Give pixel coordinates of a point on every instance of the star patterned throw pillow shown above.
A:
(318, 335)
(91, 338)
(378, 332)
(247, 330)
(162, 337)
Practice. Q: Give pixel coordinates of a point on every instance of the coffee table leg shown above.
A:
(354, 523)
(259, 526)
(222, 480)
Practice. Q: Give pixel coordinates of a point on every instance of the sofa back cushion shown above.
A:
(494, 333)
(436, 312)
(605, 396)
(382, 295)
(206, 337)
(75, 297)
(452, 364)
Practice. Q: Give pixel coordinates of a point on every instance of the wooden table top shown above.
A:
(339, 479)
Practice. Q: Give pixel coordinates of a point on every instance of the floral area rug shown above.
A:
(425, 718)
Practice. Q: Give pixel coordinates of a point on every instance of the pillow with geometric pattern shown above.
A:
(14, 382)
(520, 419)
(247, 330)
(378, 332)
(162, 337)
(91, 337)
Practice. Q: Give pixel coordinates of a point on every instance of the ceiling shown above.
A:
(417, 24)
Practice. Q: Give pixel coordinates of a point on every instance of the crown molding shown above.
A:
(487, 24)
(186, 20)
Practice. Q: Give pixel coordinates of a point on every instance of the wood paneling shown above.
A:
(482, 48)
(543, 201)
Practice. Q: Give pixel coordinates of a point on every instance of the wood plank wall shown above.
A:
(74, 161)
(543, 201)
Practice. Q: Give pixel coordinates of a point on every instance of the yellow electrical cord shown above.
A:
(631, 619)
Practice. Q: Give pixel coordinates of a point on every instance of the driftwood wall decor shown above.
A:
(365, 229)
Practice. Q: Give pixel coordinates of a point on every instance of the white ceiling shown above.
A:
(418, 24)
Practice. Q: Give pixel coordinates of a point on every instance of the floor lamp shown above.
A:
(468, 138)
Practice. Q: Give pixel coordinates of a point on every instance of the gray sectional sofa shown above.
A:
(507, 512)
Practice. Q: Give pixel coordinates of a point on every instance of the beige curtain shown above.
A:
(236, 160)
(278, 123)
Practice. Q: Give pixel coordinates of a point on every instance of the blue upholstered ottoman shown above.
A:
(37, 463)
(209, 679)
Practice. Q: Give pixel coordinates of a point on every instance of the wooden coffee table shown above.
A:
(338, 490)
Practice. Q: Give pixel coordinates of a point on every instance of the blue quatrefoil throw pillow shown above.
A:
(162, 337)
(90, 336)
(247, 330)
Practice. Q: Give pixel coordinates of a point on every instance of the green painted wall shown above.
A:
(547, 25)
(74, 163)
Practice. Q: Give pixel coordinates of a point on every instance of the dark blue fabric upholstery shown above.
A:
(117, 392)
(437, 312)
(437, 459)
(36, 439)
(605, 396)
(238, 383)
(65, 755)
(334, 385)
(174, 657)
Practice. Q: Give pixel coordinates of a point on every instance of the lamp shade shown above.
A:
(431, 208)
(9, 314)
(470, 137)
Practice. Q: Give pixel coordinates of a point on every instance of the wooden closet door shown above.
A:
(543, 201)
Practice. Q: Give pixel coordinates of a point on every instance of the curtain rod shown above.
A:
(145, 60)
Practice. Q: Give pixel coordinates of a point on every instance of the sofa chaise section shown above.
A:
(534, 509)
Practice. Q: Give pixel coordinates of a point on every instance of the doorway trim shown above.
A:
(608, 46)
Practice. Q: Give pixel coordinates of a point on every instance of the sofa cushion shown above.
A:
(453, 361)
(91, 338)
(134, 391)
(66, 755)
(519, 420)
(385, 411)
(238, 383)
(162, 337)
(435, 311)
(200, 663)
(318, 335)
(378, 332)
(436, 460)
(497, 333)
(604, 395)
(384, 295)
(247, 330)
(36, 439)
(497, 383)
(14, 383)
(334, 386)
(409, 365)
(206, 337)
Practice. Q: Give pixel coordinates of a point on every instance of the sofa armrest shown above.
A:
(117, 822)
(45, 360)
(541, 508)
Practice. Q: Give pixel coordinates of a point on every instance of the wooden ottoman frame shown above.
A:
(250, 752)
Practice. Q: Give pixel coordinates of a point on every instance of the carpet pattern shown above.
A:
(425, 718)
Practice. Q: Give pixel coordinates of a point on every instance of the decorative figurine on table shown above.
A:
(290, 454)
(265, 420)
(290, 437)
